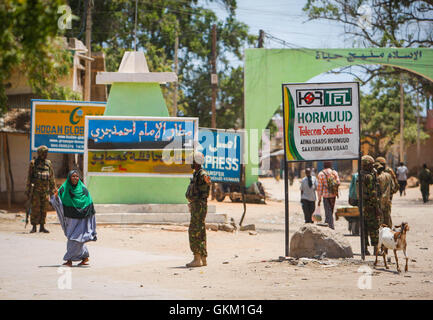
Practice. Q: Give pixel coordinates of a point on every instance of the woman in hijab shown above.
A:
(76, 213)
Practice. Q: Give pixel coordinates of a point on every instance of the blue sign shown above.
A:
(222, 151)
(107, 133)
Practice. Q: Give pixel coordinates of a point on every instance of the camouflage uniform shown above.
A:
(389, 170)
(425, 178)
(41, 175)
(370, 201)
(386, 186)
(198, 207)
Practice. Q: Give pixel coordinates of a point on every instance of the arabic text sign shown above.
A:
(377, 55)
(139, 146)
(321, 121)
(111, 134)
(222, 151)
(60, 124)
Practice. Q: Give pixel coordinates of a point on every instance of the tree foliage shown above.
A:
(381, 23)
(380, 116)
(29, 44)
(158, 23)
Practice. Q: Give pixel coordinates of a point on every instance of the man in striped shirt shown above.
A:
(325, 191)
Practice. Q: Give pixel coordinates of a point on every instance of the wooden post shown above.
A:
(6, 171)
(214, 78)
(401, 119)
(176, 66)
(88, 74)
(8, 154)
(418, 144)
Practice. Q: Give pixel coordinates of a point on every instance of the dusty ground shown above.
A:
(148, 261)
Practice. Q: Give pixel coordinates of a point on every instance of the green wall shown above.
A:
(267, 69)
(137, 99)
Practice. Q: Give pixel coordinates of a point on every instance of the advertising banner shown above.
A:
(60, 124)
(139, 146)
(321, 121)
(223, 151)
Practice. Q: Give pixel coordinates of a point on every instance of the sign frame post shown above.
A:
(332, 95)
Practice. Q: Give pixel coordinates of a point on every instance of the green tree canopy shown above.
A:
(29, 44)
(381, 23)
(380, 116)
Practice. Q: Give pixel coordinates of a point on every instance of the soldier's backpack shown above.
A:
(332, 183)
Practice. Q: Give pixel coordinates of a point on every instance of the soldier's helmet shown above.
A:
(381, 160)
(198, 158)
(367, 161)
(378, 166)
(42, 149)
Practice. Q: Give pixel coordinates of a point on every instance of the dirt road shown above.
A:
(148, 261)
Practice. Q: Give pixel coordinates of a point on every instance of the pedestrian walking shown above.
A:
(308, 195)
(385, 188)
(275, 166)
(370, 202)
(425, 179)
(328, 183)
(401, 173)
(40, 185)
(197, 194)
(76, 213)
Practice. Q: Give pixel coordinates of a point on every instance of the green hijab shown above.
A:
(77, 202)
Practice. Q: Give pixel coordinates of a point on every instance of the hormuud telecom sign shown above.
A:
(321, 121)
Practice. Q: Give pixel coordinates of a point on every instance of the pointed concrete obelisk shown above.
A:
(136, 92)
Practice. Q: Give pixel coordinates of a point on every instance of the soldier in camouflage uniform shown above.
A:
(386, 186)
(370, 202)
(389, 170)
(197, 194)
(425, 179)
(41, 176)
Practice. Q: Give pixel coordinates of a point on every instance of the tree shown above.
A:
(380, 117)
(381, 23)
(158, 23)
(29, 43)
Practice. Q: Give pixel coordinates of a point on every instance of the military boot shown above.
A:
(203, 261)
(42, 229)
(196, 262)
(33, 229)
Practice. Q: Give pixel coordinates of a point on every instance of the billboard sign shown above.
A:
(59, 125)
(139, 146)
(223, 151)
(321, 121)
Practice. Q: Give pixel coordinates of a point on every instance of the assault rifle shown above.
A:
(29, 204)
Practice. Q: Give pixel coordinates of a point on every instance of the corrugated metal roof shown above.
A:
(15, 121)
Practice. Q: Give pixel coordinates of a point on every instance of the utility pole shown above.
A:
(176, 70)
(261, 38)
(401, 119)
(88, 74)
(214, 77)
(418, 144)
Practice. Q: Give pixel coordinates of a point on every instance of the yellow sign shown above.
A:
(60, 124)
(146, 162)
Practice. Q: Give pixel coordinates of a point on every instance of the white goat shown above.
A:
(391, 239)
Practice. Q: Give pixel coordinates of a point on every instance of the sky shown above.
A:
(285, 20)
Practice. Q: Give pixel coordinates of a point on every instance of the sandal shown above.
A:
(67, 263)
(84, 262)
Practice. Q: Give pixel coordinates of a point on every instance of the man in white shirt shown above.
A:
(401, 173)
(308, 195)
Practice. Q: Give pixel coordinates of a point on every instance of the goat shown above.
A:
(395, 240)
